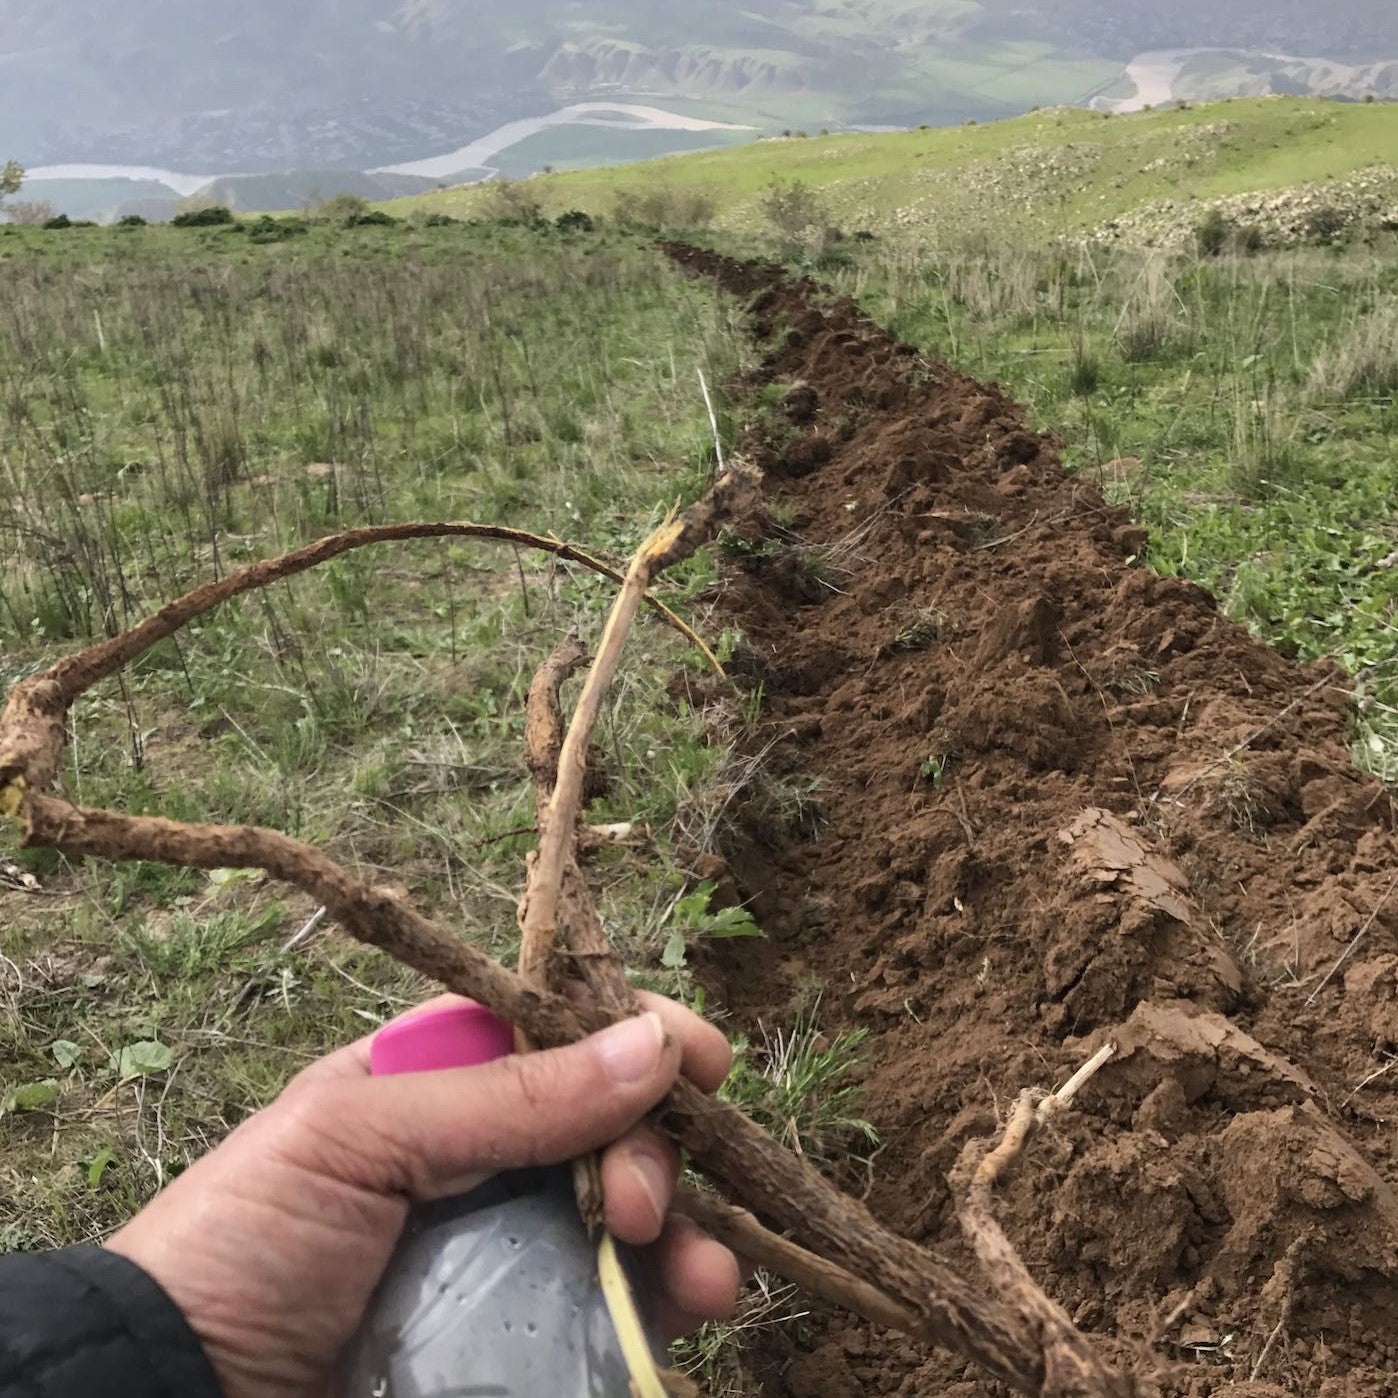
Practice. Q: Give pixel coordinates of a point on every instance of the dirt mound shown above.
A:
(1063, 800)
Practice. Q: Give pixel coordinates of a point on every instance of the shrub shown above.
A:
(32, 213)
(1325, 223)
(275, 230)
(513, 201)
(131, 221)
(663, 206)
(574, 221)
(1214, 233)
(341, 209)
(58, 221)
(371, 218)
(439, 221)
(1085, 374)
(793, 208)
(214, 216)
(1152, 315)
(697, 208)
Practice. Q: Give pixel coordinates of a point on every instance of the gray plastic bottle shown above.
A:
(493, 1294)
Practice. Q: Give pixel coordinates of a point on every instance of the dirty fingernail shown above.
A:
(630, 1051)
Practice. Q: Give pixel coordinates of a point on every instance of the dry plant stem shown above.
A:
(558, 825)
(543, 726)
(595, 961)
(1070, 1365)
(1280, 1290)
(543, 717)
(31, 730)
(673, 542)
(737, 1229)
(1354, 943)
(600, 968)
(1177, 797)
(543, 737)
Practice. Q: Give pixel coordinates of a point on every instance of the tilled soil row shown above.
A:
(1059, 800)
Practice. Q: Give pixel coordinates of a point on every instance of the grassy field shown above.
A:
(182, 401)
(1045, 175)
(577, 147)
(1242, 407)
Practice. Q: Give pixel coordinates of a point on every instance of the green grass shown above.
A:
(804, 1087)
(179, 402)
(1045, 175)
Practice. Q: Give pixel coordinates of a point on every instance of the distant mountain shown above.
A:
(278, 84)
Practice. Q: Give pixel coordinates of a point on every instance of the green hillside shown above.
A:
(579, 146)
(1045, 174)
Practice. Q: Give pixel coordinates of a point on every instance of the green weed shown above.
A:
(804, 1087)
(693, 920)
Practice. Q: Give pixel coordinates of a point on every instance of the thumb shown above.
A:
(432, 1135)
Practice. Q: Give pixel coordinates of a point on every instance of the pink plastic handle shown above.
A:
(458, 1036)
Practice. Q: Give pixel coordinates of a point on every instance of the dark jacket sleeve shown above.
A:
(84, 1323)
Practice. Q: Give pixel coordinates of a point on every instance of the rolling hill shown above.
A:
(1144, 176)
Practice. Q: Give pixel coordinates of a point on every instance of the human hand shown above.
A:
(272, 1244)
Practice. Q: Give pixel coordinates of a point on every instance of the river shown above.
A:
(475, 156)
(479, 154)
(183, 185)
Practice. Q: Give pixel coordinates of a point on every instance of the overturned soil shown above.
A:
(1058, 800)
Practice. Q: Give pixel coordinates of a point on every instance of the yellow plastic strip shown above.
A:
(626, 1320)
